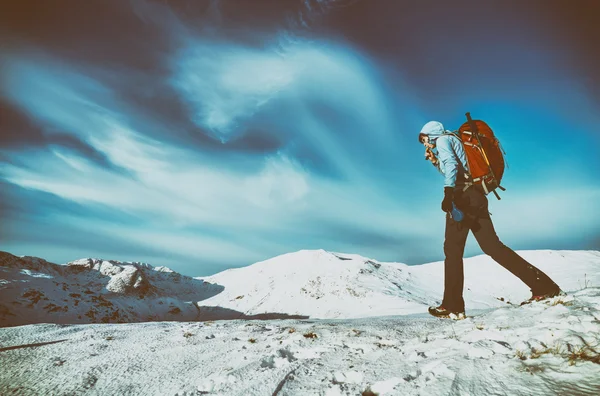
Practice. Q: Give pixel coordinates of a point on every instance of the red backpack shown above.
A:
(484, 154)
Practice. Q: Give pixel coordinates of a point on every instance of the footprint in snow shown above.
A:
(281, 358)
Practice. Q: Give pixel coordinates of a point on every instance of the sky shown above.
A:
(211, 134)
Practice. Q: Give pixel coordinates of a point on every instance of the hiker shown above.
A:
(445, 150)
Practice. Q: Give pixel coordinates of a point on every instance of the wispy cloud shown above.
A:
(346, 173)
(226, 85)
(174, 186)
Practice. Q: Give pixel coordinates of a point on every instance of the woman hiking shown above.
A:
(445, 150)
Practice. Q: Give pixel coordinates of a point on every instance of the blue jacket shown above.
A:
(450, 153)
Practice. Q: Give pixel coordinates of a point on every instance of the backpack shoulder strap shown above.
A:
(452, 133)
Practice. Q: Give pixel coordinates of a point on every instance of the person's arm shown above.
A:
(448, 160)
(461, 155)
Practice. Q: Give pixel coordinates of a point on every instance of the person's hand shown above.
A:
(448, 198)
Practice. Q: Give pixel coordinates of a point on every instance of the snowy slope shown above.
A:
(321, 284)
(33, 290)
(546, 348)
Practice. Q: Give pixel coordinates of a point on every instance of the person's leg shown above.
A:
(488, 240)
(454, 246)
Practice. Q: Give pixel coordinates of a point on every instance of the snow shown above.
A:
(34, 274)
(329, 285)
(336, 346)
(383, 387)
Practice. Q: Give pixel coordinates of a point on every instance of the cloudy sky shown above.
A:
(210, 134)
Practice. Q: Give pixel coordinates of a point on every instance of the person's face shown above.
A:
(429, 156)
(425, 141)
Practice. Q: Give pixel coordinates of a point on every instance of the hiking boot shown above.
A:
(542, 297)
(441, 312)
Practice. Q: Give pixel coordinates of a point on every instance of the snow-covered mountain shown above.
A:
(322, 284)
(33, 290)
(308, 283)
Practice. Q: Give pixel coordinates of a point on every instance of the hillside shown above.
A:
(322, 284)
(33, 290)
(308, 283)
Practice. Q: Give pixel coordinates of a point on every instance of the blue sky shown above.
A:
(213, 134)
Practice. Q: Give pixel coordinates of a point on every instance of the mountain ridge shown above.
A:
(302, 284)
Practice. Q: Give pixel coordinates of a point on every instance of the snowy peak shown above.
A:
(91, 290)
(320, 284)
(125, 278)
(122, 277)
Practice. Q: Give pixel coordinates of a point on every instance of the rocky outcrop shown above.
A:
(125, 278)
(128, 280)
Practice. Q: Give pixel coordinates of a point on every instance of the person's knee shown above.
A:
(492, 248)
(452, 250)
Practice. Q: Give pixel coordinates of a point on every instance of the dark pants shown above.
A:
(474, 205)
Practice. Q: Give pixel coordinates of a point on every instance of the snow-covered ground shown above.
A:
(361, 333)
(540, 349)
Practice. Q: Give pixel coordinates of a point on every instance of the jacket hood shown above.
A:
(433, 129)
